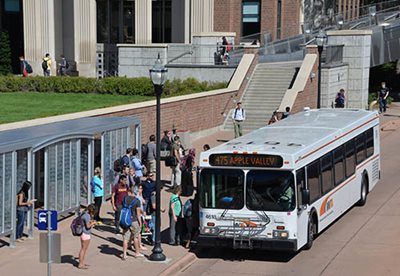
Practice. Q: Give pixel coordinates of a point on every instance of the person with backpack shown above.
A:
(46, 65)
(238, 116)
(26, 68)
(383, 93)
(149, 186)
(63, 66)
(88, 223)
(187, 164)
(136, 163)
(339, 100)
(119, 192)
(97, 188)
(151, 154)
(131, 223)
(175, 169)
(23, 205)
(175, 217)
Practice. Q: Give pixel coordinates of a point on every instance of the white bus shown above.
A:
(277, 187)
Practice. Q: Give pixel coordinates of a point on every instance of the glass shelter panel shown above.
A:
(60, 176)
(2, 194)
(74, 173)
(67, 175)
(22, 168)
(7, 180)
(51, 178)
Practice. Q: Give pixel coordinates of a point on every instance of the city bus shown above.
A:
(279, 186)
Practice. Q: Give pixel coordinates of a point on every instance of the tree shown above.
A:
(5, 54)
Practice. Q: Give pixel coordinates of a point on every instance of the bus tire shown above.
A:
(364, 191)
(311, 231)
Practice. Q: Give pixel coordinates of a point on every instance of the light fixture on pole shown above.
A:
(321, 41)
(158, 76)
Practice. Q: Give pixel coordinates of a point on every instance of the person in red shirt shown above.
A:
(119, 192)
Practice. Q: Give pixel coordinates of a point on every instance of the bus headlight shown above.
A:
(210, 230)
(280, 234)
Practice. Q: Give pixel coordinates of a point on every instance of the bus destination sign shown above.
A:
(246, 160)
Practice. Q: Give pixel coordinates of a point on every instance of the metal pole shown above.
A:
(157, 254)
(320, 48)
(49, 260)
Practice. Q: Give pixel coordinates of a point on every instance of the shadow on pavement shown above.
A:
(69, 259)
(241, 255)
(106, 249)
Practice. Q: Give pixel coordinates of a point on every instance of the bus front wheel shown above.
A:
(364, 191)
(311, 230)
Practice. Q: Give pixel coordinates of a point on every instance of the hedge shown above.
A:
(115, 85)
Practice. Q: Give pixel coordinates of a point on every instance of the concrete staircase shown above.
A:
(264, 93)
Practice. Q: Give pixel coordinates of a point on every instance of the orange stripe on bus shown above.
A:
(327, 144)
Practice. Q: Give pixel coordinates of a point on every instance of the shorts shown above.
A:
(85, 237)
(132, 232)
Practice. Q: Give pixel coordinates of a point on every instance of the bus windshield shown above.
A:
(270, 190)
(222, 189)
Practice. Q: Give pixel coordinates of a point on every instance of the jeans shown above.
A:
(97, 204)
(153, 227)
(174, 230)
(116, 218)
(21, 216)
(382, 104)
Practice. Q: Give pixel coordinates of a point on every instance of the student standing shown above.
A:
(88, 223)
(98, 193)
(23, 206)
(383, 93)
(175, 214)
(119, 192)
(46, 65)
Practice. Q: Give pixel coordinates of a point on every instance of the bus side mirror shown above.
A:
(305, 194)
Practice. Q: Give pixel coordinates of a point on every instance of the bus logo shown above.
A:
(327, 204)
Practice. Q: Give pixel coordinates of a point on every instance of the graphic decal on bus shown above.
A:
(327, 204)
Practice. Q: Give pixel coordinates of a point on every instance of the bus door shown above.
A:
(302, 212)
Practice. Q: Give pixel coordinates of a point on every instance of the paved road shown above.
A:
(365, 241)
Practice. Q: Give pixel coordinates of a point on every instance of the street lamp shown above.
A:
(321, 41)
(158, 75)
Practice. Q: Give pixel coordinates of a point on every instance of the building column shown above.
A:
(85, 37)
(39, 33)
(357, 53)
(143, 21)
(202, 19)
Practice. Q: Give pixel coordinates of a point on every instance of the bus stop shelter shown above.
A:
(59, 159)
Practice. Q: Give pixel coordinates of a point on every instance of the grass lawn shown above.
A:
(31, 105)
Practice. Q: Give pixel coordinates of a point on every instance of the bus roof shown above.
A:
(298, 133)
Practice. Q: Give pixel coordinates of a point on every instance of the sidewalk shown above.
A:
(106, 248)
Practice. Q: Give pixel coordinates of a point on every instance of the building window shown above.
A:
(279, 20)
(251, 22)
(11, 6)
(161, 17)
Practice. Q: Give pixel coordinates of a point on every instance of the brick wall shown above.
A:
(309, 95)
(228, 17)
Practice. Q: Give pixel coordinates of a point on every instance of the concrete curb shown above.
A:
(179, 265)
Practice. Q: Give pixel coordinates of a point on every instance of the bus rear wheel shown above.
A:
(310, 233)
(364, 191)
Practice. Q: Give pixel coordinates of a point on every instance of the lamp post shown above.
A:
(321, 41)
(158, 75)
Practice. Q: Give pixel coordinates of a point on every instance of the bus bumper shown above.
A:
(270, 244)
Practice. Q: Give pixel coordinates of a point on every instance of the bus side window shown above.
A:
(313, 172)
(326, 173)
(370, 142)
(350, 158)
(338, 158)
(360, 145)
(301, 184)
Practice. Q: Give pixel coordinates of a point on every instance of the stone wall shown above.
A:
(333, 79)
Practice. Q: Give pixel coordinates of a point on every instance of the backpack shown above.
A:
(77, 226)
(120, 163)
(228, 47)
(66, 64)
(28, 68)
(145, 151)
(45, 65)
(187, 208)
(125, 218)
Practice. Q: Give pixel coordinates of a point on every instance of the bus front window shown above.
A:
(270, 191)
(221, 189)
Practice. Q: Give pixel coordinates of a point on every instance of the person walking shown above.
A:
(238, 116)
(151, 154)
(383, 93)
(175, 170)
(63, 66)
(46, 65)
(175, 214)
(187, 164)
(26, 68)
(119, 192)
(340, 99)
(23, 206)
(98, 193)
(88, 223)
(136, 163)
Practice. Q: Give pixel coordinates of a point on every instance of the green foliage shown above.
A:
(374, 97)
(113, 86)
(5, 54)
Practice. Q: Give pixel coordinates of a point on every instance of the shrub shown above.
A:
(5, 54)
(115, 85)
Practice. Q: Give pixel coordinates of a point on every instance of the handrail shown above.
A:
(179, 56)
